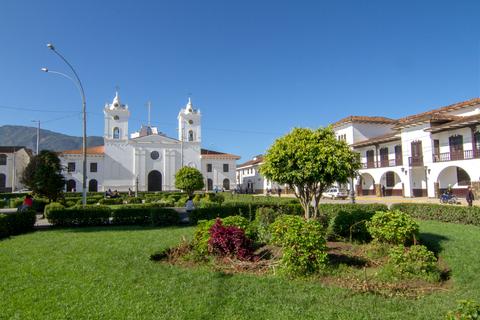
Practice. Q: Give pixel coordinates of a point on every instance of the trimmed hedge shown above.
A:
(244, 209)
(17, 223)
(439, 212)
(78, 216)
(102, 215)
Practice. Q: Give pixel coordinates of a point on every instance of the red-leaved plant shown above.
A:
(229, 241)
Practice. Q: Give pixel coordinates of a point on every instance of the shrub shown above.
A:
(134, 200)
(39, 204)
(264, 217)
(242, 223)
(201, 236)
(229, 241)
(303, 244)
(394, 227)
(16, 202)
(164, 216)
(415, 261)
(350, 225)
(17, 223)
(331, 210)
(466, 310)
(444, 213)
(3, 203)
(214, 197)
(131, 215)
(52, 206)
(89, 201)
(110, 201)
(78, 216)
(3, 226)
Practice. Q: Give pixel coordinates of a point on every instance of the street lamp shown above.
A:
(79, 86)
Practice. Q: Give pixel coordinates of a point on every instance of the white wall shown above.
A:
(218, 175)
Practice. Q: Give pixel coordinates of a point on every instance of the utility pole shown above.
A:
(13, 170)
(38, 135)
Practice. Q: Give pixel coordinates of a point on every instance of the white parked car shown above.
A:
(335, 193)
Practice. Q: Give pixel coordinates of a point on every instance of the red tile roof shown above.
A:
(256, 160)
(461, 122)
(364, 119)
(437, 114)
(216, 154)
(91, 150)
(383, 138)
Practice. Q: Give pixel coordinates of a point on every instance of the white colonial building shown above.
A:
(13, 161)
(249, 179)
(147, 158)
(419, 155)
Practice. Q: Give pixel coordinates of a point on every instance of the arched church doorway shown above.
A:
(93, 185)
(154, 181)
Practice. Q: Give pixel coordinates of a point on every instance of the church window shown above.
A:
(225, 167)
(209, 167)
(71, 167)
(3, 159)
(93, 167)
(190, 135)
(154, 155)
(116, 118)
(190, 121)
(116, 133)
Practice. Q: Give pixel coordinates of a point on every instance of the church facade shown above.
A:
(147, 160)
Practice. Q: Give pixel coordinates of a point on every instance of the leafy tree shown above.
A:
(309, 161)
(43, 175)
(189, 179)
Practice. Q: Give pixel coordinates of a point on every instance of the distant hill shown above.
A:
(27, 136)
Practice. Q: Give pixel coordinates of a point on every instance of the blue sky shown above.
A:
(256, 69)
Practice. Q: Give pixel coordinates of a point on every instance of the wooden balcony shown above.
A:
(416, 161)
(384, 163)
(454, 156)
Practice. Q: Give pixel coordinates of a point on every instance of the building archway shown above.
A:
(93, 186)
(209, 184)
(154, 181)
(3, 182)
(392, 183)
(366, 186)
(456, 178)
(226, 184)
(71, 185)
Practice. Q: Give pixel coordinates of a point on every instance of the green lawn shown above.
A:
(105, 273)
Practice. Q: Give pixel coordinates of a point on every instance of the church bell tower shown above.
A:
(116, 117)
(189, 126)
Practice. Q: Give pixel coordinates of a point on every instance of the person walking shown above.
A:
(189, 206)
(470, 197)
(27, 203)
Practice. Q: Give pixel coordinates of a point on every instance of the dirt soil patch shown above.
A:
(352, 266)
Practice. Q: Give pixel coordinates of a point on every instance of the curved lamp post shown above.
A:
(79, 86)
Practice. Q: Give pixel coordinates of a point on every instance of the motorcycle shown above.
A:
(448, 198)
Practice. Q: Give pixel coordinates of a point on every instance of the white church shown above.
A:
(147, 159)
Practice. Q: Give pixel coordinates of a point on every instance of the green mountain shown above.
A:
(27, 136)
